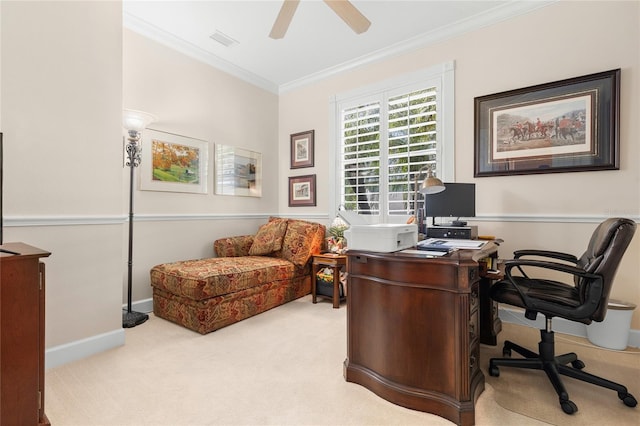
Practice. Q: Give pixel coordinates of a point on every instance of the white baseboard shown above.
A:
(73, 351)
(69, 352)
(560, 325)
(144, 306)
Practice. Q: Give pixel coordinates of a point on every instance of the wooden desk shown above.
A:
(413, 331)
(22, 335)
(328, 260)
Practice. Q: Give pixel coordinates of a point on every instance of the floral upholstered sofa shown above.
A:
(251, 274)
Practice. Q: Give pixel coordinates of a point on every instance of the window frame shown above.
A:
(440, 76)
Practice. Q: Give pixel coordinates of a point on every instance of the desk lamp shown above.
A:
(133, 122)
(430, 185)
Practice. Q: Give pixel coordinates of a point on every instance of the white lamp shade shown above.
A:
(136, 120)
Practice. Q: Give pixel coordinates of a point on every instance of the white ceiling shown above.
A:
(318, 43)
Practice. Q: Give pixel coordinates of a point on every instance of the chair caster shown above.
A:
(495, 371)
(577, 364)
(628, 399)
(568, 407)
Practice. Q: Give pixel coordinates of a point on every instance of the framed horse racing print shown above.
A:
(564, 126)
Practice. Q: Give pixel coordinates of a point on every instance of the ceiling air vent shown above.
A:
(223, 39)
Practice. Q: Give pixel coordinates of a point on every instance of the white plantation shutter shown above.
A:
(412, 143)
(361, 158)
(384, 135)
(383, 145)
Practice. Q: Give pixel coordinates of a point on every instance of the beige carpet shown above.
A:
(529, 392)
(283, 367)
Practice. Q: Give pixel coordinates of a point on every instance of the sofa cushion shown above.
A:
(301, 241)
(269, 237)
(206, 278)
(233, 246)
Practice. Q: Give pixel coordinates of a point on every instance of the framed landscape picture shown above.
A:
(173, 163)
(302, 149)
(302, 191)
(564, 126)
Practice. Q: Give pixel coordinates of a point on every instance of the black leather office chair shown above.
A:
(583, 301)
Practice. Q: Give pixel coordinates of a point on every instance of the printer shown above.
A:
(382, 237)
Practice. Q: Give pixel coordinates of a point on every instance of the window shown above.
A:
(385, 135)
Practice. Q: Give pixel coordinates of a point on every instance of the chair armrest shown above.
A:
(584, 310)
(546, 253)
(233, 246)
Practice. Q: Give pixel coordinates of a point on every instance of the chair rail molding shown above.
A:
(72, 220)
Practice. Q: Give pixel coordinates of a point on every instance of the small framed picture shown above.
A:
(302, 191)
(302, 149)
(238, 171)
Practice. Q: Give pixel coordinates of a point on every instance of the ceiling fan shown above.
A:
(343, 8)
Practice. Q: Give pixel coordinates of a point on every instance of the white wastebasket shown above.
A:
(613, 332)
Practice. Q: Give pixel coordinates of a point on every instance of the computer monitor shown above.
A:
(456, 201)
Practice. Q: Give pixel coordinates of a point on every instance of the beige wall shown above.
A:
(564, 40)
(193, 99)
(61, 93)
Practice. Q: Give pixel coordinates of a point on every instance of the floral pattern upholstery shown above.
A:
(207, 315)
(233, 246)
(269, 237)
(207, 294)
(301, 241)
(205, 278)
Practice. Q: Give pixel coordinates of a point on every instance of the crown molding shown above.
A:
(157, 34)
(490, 17)
(498, 14)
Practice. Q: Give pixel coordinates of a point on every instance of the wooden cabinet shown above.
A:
(22, 298)
(413, 332)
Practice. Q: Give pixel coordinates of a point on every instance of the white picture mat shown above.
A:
(146, 178)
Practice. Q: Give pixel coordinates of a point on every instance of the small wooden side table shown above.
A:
(328, 260)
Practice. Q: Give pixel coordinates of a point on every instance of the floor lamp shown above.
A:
(134, 122)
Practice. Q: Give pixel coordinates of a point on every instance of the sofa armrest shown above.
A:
(233, 246)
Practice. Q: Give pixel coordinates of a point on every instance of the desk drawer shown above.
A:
(414, 271)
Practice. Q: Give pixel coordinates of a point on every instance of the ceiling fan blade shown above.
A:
(349, 14)
(283, 20)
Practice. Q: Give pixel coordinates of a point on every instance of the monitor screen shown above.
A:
(457, 200)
